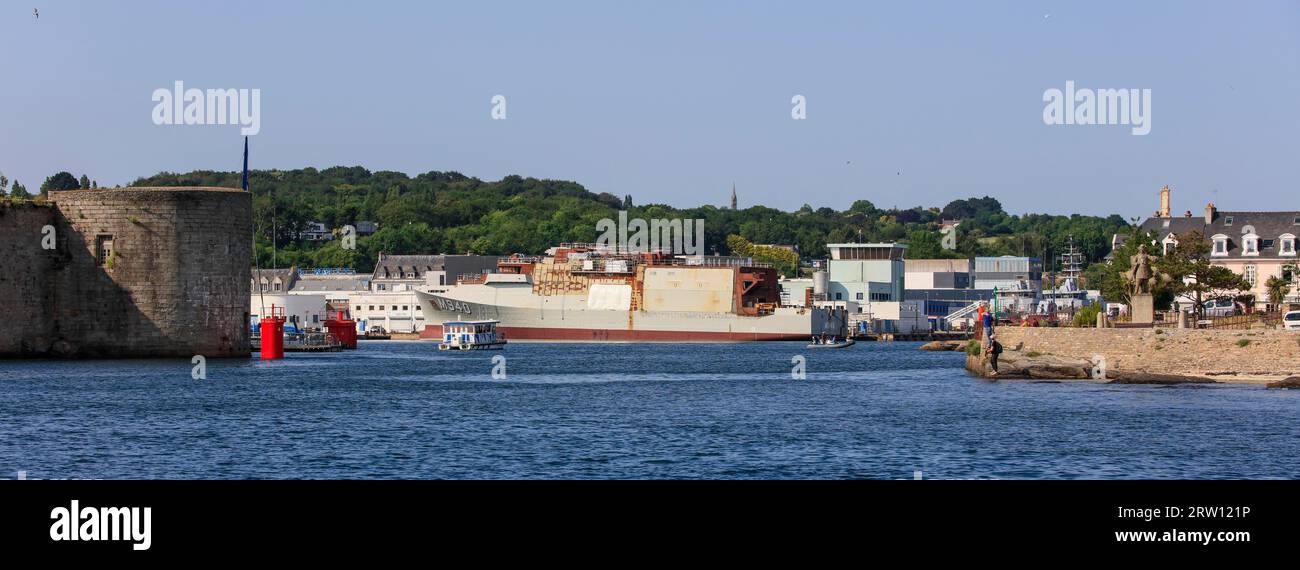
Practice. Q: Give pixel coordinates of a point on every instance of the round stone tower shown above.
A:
(148, 272)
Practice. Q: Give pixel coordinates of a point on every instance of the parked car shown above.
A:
(1221, 308)
(377, 330)
(1291, 321)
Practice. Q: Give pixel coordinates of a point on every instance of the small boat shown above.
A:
(471, 335)
(833, 343)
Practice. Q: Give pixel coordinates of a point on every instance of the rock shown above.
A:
(1118, 377)
(1013, 365)
(944, 345)
(63, 349)
(1291, 383)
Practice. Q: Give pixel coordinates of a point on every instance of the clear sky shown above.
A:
(908, 103)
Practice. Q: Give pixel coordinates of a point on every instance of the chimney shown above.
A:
(1210, 213)
(1164, 202)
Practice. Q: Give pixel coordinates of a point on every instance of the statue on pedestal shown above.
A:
(1140, 274)
(1141, 279)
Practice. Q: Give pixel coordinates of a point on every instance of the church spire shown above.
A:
(733, 195)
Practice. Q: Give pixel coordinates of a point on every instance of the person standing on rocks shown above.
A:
(986, 319)
(994, 350)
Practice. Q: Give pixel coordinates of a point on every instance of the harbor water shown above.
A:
(395, 409)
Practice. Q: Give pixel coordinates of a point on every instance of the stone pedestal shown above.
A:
(1103, 320)
(1142, 308)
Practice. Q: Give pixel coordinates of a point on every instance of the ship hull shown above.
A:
(566, 318)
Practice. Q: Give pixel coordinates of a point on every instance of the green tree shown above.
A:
(20, 192)
(60, 181)
(1193, 274)
(84, 182)
(1111, 277)
(1278, 288)
(783, 260)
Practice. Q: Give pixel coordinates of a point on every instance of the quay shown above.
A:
(930, 336)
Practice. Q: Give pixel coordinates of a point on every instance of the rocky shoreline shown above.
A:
(1013, 365)
(1140, 356)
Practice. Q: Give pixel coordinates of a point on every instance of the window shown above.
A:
(880, 296)
(859, 296)
(104, 250)
(1220, 245)
(839, 296)
(1296, 221)
(1251, 273)
(1227, 221)
(394, 307)
(1288, 243)
(381, 287)
(372, 307)
(1250, 244)
(442, 279)
(315, 319)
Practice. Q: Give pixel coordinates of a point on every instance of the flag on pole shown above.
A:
(244, 184)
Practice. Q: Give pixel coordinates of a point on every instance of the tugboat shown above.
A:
(471, 335)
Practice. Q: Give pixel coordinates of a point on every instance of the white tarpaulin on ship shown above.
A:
(609, 297)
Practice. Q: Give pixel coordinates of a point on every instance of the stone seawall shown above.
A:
(1215, 353)
(137, 272)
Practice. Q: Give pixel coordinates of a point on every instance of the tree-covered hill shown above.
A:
(452, 213)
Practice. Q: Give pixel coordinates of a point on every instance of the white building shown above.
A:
(306, 297)
(390, 302)
(866, 273)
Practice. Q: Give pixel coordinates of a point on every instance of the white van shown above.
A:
(1291, 321)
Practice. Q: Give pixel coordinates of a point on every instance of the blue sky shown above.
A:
(908, 103)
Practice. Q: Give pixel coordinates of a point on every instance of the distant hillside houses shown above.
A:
(318, 231)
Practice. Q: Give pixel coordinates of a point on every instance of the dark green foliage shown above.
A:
(1087, 316)
(19, 191)
(60, 181)
(448, 212)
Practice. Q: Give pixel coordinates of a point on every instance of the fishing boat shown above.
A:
(471, 335)
(833, 343)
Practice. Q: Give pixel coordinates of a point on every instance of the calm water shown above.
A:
(404, 410)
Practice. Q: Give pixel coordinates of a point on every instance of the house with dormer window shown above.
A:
(1255, 245)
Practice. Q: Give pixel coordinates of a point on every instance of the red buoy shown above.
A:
(344, 330)
(273, 334)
